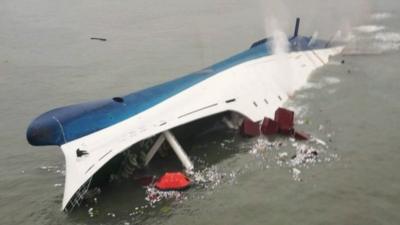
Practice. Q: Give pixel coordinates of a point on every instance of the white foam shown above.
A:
(387, 41)
(381, 16)
(311, 85)
(369, 28)
(320, 85)
(384, 47)
(331, 80)
(296, 174)
(300, 111)
(387, 37)
(90, 212)
(153, 195)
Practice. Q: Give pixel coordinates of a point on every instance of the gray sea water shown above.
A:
(47, 60)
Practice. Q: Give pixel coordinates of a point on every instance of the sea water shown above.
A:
(48, 60)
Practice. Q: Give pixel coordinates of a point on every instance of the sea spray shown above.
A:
(282, 73)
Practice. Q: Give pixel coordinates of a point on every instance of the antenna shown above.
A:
(296, 29)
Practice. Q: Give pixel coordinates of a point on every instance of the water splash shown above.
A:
(279, 42)
(284, 74)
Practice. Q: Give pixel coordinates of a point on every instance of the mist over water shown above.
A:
(47, 60)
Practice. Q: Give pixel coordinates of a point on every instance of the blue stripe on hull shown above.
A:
(65, 124)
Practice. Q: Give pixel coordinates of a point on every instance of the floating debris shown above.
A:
(319, 141)
(304, 154)
(301, 136)
(98, 39)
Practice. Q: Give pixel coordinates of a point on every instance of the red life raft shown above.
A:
(172, 181)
